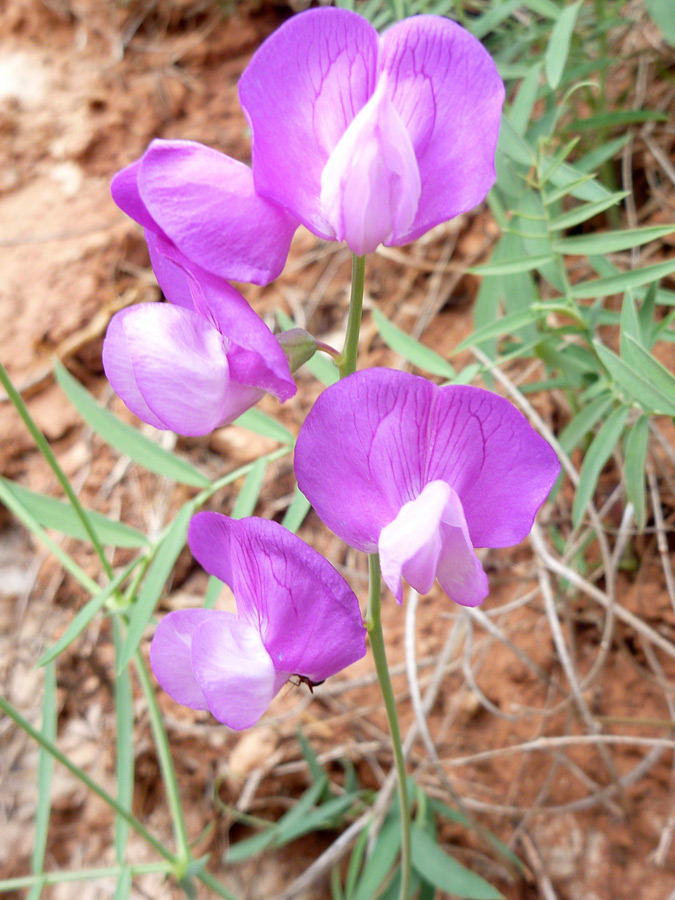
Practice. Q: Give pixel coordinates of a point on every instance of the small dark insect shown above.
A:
(303, 679)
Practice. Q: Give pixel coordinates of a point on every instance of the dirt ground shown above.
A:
(84, 86)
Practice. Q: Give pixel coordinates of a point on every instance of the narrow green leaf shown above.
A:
(355, 861)
(595, 158)
(85, 615)
(569, 176)
(60, 515)
(435, 866)
(124, 758)
(123, 886)
(513, 145)
(521, 108)
(257, 421)
(559, 44)
(636, 452)
(410, 349)
(381, 859)
(495, 15)
(164, 561)
(584, 421)
(662, 14)
(250, 492)
(613, 119)
(660, 378)
(636, 384)
(503, 325)
(512, 266)
(29, 521)
(629, 324)
(454, 815)
(36, 890)
(597, 455)
(125, 438)
(611, 241)
(45, 771)
(316, 770)
(582, 213)
(645, 317)
(624, 281)
(327, 816)
(296, 512)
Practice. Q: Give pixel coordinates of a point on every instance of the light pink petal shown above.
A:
(206, 205)
(300, 91)
(499, 466)
(119, 369)
(410, 545)
(448, 93)
(370, 186)
(125, 193)
(170, 654)
(180, 365)
(169, 264)
(234, 671)
(361, 450)
(460, 573)
(308, 617)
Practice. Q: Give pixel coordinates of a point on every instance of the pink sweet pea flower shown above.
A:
(369, 139)
(423, 474)
(195, 363)
(296, 615)
(204, 204)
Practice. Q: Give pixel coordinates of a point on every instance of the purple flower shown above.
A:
(423, 474)
(369, 139)
(197, 362)
(204, 204)
(296, 616)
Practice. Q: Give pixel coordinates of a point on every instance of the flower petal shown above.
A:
(300, 91)
(125, 193)
(370, 186)
(308, 616)
(233, 670)
(500, 467)
(410, 545)
(448, 92)
(179, 364)
(206, 205)
(170, 655)
(460, 573)
(169, 264)
(119, 369)
(360, 452)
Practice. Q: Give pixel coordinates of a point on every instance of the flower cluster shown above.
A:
(366, 140)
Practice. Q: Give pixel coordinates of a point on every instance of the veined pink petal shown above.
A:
(449, 95)
(171, 654)
(308, 617)
(410, 545)
(500, 467)
(125, 193)
(370, 186)
(206, 204)
(179, 365)
(300, 91)
(360, 452)
(234, 670)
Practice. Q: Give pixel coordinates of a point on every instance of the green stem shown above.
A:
(26, 881)
(346, 362)
(46, 450)
(111, 801)
(374, 627)
(166, 766)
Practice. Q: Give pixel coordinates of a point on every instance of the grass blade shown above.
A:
(248, 495)
(558, 47)
(432, 864)
(410, 349)
(125, 438)
(257, 421)
(598, 453)
(296, 512)
(636, 452)
(45, 771)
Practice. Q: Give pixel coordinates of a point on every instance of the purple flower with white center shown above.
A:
(197, 362)
(369, 139)
(423, 474)
(296, 615)
(204, 204)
